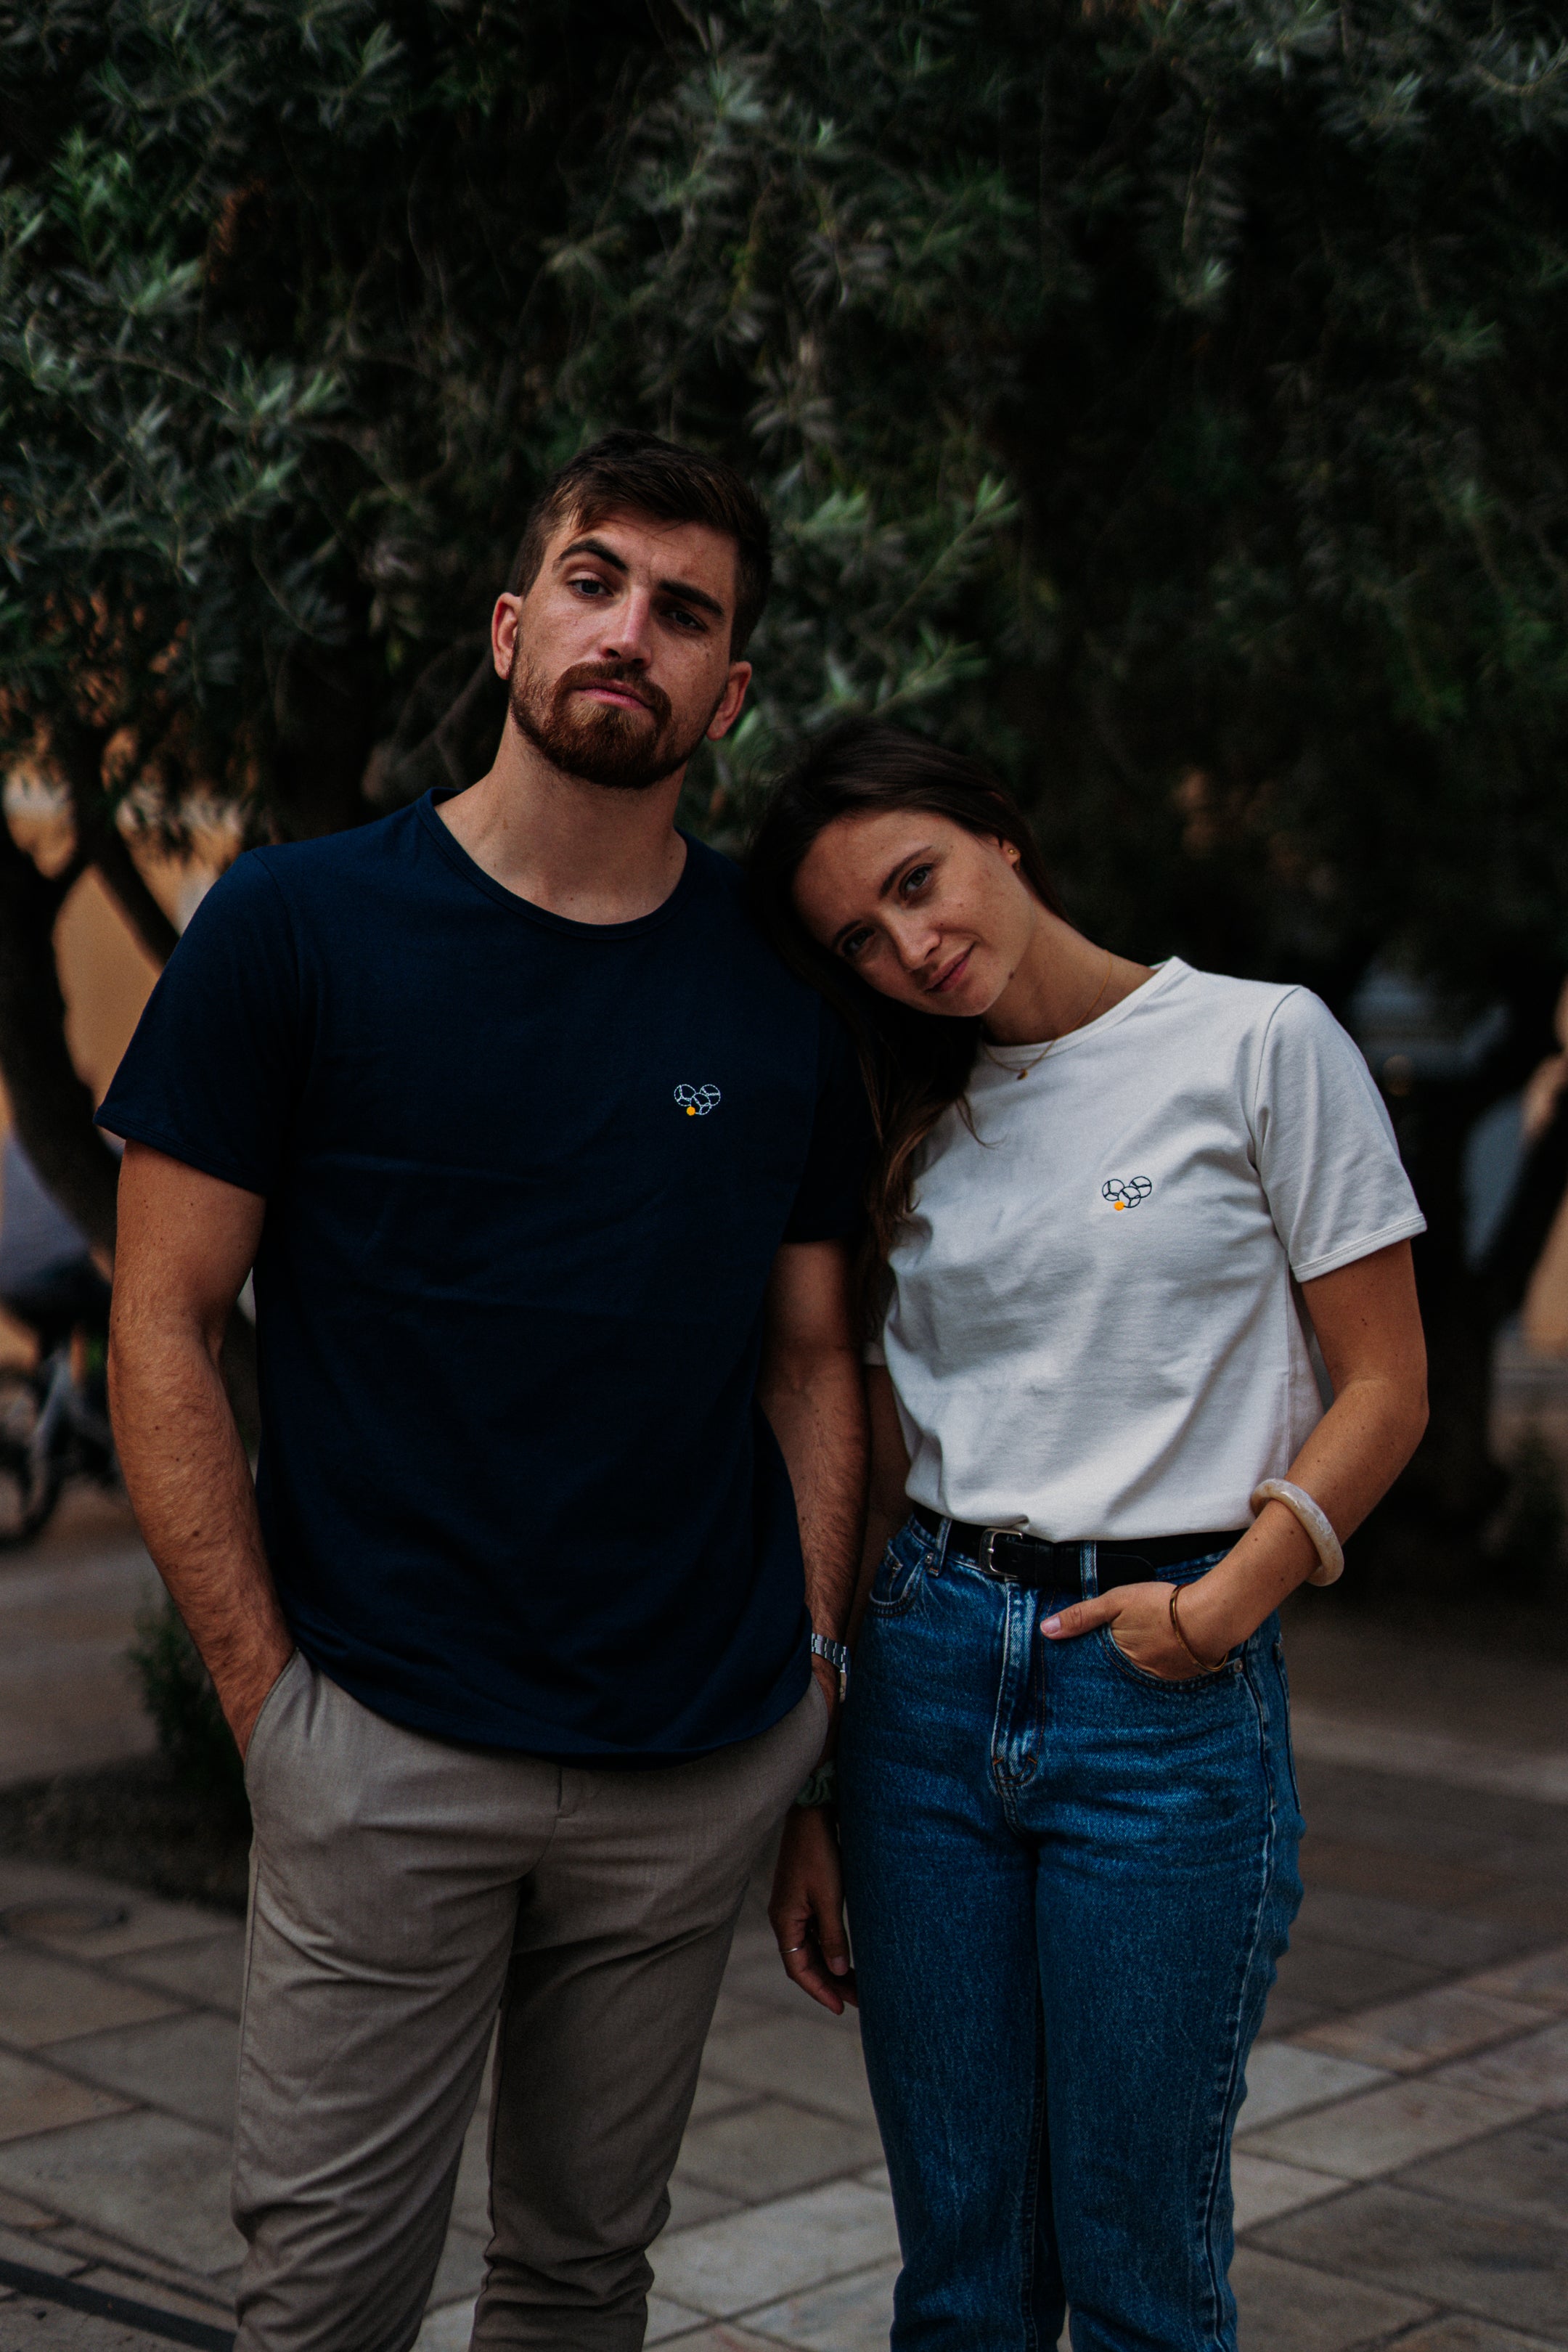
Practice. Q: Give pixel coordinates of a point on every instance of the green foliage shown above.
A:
(1165, 397)
(176, 1689)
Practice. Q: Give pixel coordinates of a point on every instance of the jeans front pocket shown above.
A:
(900, 1574)
(1189, 1684)
(1188, 1688)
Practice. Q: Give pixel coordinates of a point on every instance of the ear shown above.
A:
(504, 622)
(730, 703)
(1010, 851)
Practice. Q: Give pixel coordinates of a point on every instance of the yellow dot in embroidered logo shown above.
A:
(1118, 1206)
(692, 1110)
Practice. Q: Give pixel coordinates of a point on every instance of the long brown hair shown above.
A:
(916, 1064)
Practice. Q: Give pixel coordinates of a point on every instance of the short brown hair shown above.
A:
(656, 477)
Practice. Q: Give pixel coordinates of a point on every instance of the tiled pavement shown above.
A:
(1402, 2176)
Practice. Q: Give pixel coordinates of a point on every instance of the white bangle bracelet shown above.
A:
(1330, 1558)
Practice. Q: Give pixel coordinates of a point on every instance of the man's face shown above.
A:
(617, 659)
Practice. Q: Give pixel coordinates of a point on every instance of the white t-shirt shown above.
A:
(1093, 1328)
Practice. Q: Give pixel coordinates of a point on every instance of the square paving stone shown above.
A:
(720, 2337)
(186, 2064)
(852, 2314)
(1262, 2188)
(1286, 2014)
(150, 2180)
(83, 1934)
(471, 2202)
(1389, 1873)
(158, 2296)
(770, 2250)
(811, 2059)
(43, 1999)
(665, 2319)
(1538, 1977)
(1338, 1976)
(1461, 2333)
(1286, 2307)
(1381, 2130)
(1534, 2070)
(715, 2094)
(692, 2202)
(1498, 2268)
(38, 2254)
(461, 2269)
(447, 2330)
(97, 2247)
(32, 2324)
(211, 1972)
(1428, 2027)
(17, 2213)
(1523, 2172)
(33, 2098)
(1283, 2078)
(768, 2150)
(1407, 1931)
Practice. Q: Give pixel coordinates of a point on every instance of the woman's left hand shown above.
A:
(1138, 1618)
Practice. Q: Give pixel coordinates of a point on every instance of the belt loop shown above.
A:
(1089, 1569)
(941, 1554)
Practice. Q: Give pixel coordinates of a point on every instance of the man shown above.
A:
(545, 1165)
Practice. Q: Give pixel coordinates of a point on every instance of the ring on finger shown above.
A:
(785, 1949)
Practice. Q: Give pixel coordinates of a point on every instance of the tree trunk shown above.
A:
(52, 1109)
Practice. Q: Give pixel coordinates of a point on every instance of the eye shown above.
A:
(854, 944)
(588, 585)
(915, 881)
(685, 619)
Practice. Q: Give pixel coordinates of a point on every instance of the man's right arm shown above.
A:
(186, 1242)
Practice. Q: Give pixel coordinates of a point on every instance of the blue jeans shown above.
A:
(1068, 1882)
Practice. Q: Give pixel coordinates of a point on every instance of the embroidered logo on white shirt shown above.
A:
(1126, 1191)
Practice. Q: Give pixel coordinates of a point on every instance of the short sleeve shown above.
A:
(829, 1201)
(211, 1074)
(1324, 1144)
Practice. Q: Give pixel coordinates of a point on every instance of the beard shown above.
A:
(623, 750)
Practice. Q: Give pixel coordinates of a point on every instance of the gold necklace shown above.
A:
(1082, 1019)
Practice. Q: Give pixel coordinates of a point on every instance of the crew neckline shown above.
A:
(471, 870)
(1014, 1057)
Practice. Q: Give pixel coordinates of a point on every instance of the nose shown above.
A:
(914, 944)
(629, 629)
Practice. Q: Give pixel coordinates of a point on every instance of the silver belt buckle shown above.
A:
(988, 1542)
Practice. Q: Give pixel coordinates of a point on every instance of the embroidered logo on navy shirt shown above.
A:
(1126, 1191)
(698, 1101)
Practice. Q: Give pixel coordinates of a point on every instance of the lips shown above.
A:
(611, 686)
(950, 975)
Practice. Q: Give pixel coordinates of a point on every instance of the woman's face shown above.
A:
(923, 911)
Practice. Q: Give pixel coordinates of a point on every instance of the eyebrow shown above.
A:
(681, 588)
(910, 857)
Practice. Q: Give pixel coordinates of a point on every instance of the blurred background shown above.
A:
(1164, 401)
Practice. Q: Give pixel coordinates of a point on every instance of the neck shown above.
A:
(1061, 981)
(574, 848)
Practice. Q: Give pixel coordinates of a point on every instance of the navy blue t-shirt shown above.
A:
(524, 1180)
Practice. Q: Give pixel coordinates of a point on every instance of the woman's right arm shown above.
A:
(807, 1905)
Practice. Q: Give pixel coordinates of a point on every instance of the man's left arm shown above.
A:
(811, 1388)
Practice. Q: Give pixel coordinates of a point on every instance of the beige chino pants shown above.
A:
(404, 1891)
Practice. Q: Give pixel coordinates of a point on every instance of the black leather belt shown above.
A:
(1053, 1567)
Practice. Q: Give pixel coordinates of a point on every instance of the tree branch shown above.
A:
(80, 750)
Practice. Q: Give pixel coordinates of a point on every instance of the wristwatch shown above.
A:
(837, 1657)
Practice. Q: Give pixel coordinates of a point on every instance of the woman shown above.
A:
(1114, 1207)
